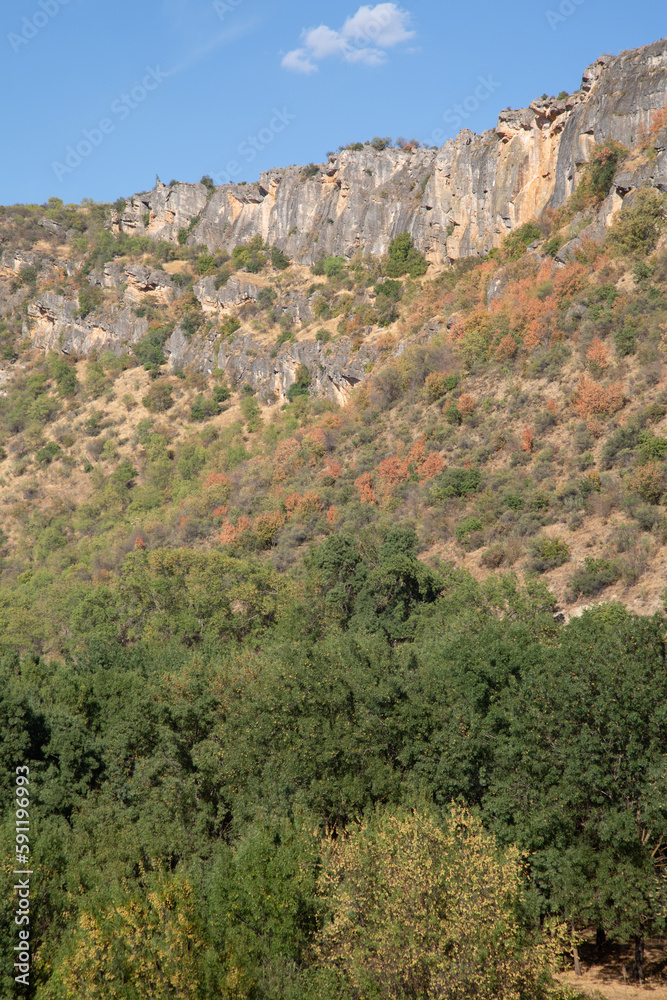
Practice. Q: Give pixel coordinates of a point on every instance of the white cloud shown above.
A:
(364, 38)
(369, 57)
(384, 25)
(322, 42)
(299, 61)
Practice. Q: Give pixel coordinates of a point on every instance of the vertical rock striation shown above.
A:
(457, 201)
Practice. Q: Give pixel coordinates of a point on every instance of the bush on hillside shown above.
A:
(592, 577)
(404, 258)
(516, 243)
(546, 554)
(637, 229)
(158, 398)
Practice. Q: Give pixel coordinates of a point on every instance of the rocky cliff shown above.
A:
(457, 201)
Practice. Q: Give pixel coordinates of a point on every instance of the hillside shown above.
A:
(327, 528)
(511, 409)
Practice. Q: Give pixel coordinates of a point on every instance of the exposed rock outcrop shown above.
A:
(138, 281)
(55, 324)
(163, 211)
(457, 201)
(335, 368)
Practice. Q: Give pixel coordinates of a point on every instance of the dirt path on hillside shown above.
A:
(605, 979)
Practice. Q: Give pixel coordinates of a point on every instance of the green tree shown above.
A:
(147, 942)
(579, 779)
(404, 258)
(301, 384)
(158, 398)
(421, 911)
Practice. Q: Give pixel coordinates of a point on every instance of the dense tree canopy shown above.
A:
(194, 789)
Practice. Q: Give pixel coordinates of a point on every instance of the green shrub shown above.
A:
(637, 229)
(204, 409)
(547, 553)
(266, 297)
(250, 256)
(149, 350)
(619, 448)
(452, 414)
(27, 276)
(89, 299)
(230, 326)
(223, 276)
(389, 289)
(597, 176)
(96, 381)
(515, 243)
(301, 384)
(251, 414)
(284, 337)
(593, 576)
(625, 340)
(221, 393)
(466, 527)
(190, 323)
(553, 245)
(333, 267)
(191, 461)
(279, 260)
(602, 167)
(651, 447)
(404, 258)
(64, 374)
(158, 398)
(206, 264)
(46, 454)
(454, 483)
(513, 501)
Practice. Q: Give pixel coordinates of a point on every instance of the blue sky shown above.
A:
(98, 98)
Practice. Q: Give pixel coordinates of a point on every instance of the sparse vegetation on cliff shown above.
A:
(297, 551)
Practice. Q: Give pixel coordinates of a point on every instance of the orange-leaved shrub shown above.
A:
(593, 399)
(301, 505)
(505, 349)
(648, 482)
(364, 485)
(527, 439)
(466, 405)
(570, 279)
(597, 356)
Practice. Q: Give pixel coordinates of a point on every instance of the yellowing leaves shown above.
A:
(418, 910)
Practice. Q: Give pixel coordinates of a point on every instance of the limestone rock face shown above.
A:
(335, 368)
(163, 211)
(458, 201)
(138, 281)
(55, 325)
(235, 292)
